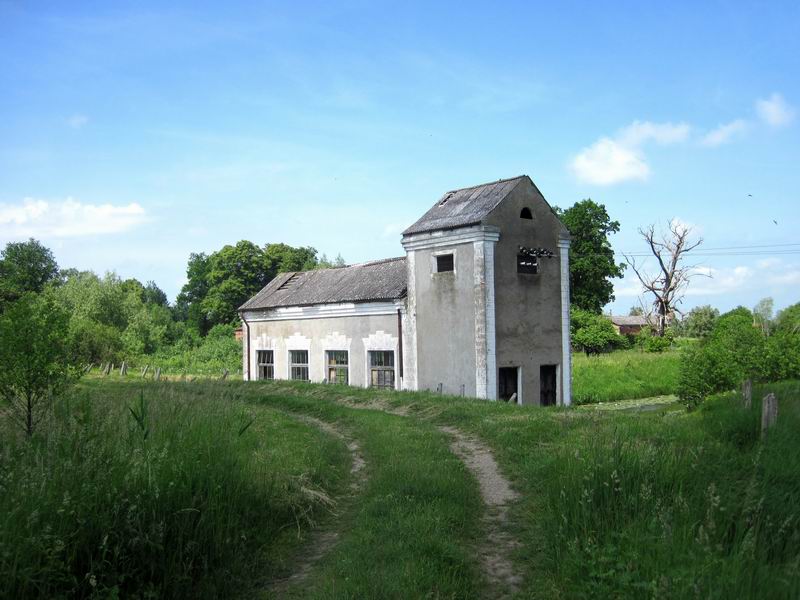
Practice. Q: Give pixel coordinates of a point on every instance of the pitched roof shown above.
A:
(365, 282)
(467, 206)
(629, 320)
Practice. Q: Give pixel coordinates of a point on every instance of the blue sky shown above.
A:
(133, 135)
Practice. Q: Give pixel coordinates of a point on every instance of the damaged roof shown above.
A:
(464, 207)
(366, 282)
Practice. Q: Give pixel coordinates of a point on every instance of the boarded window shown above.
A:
(445, 263)
(298, 364)
(265, 360)
(527, 264)
(337, 366)
(381, 369)
(526, 214)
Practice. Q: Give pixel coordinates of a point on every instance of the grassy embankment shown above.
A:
(624, 375)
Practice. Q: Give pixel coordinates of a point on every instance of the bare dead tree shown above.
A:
(669, 284)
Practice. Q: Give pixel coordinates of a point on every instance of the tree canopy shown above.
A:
(220, 282)
(35, 363)
(592, 265)
(25, 267)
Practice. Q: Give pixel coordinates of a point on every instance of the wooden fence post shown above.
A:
(145, 370)
(123, 370)
(747, 392)
(769, 413)
(224, 375)
(157, 376)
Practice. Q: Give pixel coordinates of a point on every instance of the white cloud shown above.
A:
(615, 160)
(725, 133)
(639, 132)
(785, 278)
(628, 287)
(768, 263)
(77, 121)
(607, 162)
(720, 281)
(67, 218)
(775, 111)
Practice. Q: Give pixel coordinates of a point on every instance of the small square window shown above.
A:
(445, 263)
(527, 264)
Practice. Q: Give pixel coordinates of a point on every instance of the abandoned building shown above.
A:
(478, 306)
(630, 324)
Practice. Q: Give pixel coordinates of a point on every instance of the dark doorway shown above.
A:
(508, 383)
(547, 384)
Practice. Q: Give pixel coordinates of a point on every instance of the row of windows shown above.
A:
(337, 365)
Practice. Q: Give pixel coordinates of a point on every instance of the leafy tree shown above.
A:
(783, 345)
(282, 258)
(25, 267)
(219, 283)
(187, 304)
(35, 361)
(789, 319)
(732, 352)
(148, 330)
(593, 333)
(762, 314)
(234, 274)
(636, 311)
(325, 263)
(154, 295)
(592, 265)
(699, 322)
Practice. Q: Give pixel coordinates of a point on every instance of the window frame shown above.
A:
(298, 367)
(268, 366)
(435, 255)
(381, 371)
(337, 368)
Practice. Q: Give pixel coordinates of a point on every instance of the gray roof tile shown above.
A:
(464, 207)
(365, 282)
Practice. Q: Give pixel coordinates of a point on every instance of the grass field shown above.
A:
(624, 375)
(180, 499)
(618, 504)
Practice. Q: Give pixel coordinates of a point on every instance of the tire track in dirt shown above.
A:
(322, 540)
(497, 494)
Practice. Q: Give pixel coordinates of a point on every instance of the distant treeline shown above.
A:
(115, 319)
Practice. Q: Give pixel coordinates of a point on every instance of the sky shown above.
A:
(134, 134)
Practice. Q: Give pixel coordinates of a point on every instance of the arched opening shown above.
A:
(526, 214)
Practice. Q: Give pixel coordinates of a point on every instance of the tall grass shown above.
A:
(679, 506)
(644, 505)
(156, 491)
(624, 375)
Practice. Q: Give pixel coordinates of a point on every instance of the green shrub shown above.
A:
(654, 343)
(593, 333)
(736, 350)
